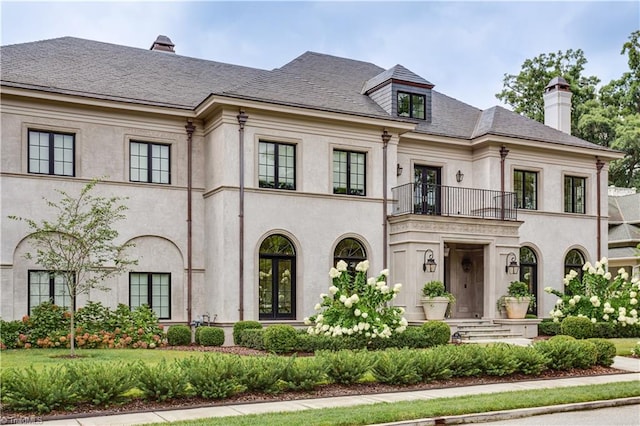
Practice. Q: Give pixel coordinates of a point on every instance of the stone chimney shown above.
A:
(557, 105)
(163, 44)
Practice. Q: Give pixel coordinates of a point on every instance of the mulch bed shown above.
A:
(325, 391)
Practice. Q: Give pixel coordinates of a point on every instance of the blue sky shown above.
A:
(464, 48)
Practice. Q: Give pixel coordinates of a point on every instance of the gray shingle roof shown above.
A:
(108, 71)
(317, 81)
(397, 72)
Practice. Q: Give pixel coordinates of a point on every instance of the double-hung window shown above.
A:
(574, 194)
(525, 185)
(411, 105)
(277, 165)
(349, 172)
(51, 153)
(150, 162)
(48, 287)
(152, 289)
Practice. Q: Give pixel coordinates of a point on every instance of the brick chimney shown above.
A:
(163, 44)
(557, 105)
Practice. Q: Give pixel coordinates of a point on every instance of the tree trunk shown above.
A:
(73, 328)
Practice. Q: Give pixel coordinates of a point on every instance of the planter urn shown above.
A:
(516, 307)
(434, 308)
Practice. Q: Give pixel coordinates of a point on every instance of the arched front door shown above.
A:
(277, 280)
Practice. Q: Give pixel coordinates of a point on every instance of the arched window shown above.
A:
(351, 251)
(574, 261)
(277, 279)
(529, 273)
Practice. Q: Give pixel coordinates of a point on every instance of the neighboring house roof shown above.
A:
(88, 68)
(624, 225)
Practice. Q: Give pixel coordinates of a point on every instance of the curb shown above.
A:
(515, 414)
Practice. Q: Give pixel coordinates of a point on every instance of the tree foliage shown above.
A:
(608, 117)
(79, 242)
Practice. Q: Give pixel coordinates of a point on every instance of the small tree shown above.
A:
(79, 243)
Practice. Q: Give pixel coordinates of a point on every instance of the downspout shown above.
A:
(599, 166)
(503, 154)
(190, 128)
(386, 137)
(242, 119)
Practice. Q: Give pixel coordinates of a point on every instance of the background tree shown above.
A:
(78, 244)
(524, 91)
(609, 116)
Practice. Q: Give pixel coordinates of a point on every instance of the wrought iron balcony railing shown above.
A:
(443, 200)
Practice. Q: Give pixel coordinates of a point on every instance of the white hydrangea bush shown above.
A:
(597, 296)
(357, 305)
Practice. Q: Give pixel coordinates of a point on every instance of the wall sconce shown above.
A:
(466, 264)
(398, 170)
(429, 263)
(512, 266)
(459, 176)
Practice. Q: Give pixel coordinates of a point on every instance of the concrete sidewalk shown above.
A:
(629, 365)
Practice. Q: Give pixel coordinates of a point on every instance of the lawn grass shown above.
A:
(623, 346)
(410, 410)
(40, 358)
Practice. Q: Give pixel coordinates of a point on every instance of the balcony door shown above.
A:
(427, 194)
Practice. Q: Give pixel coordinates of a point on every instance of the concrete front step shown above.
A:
(491, 336)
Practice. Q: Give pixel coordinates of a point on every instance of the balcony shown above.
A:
(440, 200)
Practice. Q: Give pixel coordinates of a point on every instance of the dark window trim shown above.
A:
(348, 183)
(51, 152)
(411, 95)
(521, 202)
(150, 161)
(276, 258)
(52, 288)
(150, 290)
(573, 194)
(276, 165)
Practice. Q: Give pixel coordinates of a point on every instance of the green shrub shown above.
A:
(395, 366)
(498, 360)
(37, 391)
(239, 327)
(635, 351)
(12, 334)
(179, 335)
(93, 318)
(280, 338)
(161, 381)
(211, 336)
(253, 338)
(548, 327)
(262, 374)
(529, 360)
(433, 364)
(213, 376)
(605, 351)
(102, 383)
(564, 352)
(304, 373)
(437, 332)
(578, 327)
(465, 360)
(604, 330)
(47, 319)
(346, 366)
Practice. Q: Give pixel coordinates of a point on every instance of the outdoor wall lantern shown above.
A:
(429, 263)
(459, 176)
(398, 169)
(512, 266)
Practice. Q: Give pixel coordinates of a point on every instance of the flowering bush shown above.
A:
(356, 305)
(635, 351)
(597, 296)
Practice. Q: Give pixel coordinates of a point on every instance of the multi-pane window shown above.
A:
(277, 279)
(276, 165)
(525, 185)
(411, 105)
(150, 162)
(51, 153)
(349, 172)
(48, 287)
(152, 289)
(574, 194)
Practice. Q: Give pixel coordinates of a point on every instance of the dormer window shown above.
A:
(411, 105)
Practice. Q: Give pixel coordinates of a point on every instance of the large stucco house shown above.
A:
(246, 185)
